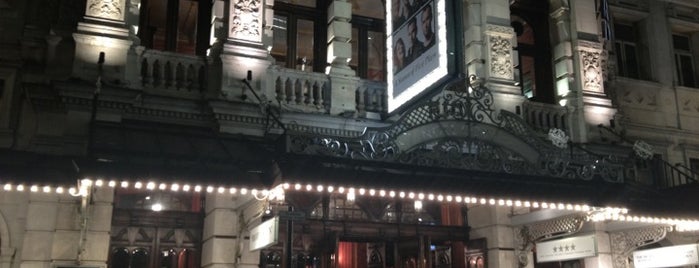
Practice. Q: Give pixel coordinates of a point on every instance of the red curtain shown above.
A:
(351, 255)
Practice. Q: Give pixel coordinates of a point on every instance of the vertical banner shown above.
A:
(416, 48)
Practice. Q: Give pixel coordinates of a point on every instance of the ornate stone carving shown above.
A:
(625, 242)
(527, 235)
(592, 70)
(106, 9)
(246, 20)
(500, 57)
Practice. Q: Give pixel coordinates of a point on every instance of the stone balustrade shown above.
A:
(170, 71)
(371, 97)
(544, 116)
(298, 90)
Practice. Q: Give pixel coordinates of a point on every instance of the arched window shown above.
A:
(530, 20)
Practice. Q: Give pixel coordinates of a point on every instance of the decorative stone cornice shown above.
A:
(625, 242)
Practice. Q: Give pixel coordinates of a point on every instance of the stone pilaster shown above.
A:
(343, 80)
(244, 49)
(7, 252)
(39, 231)
(226, 225)
(500, 62)
(103, 30)
(493, 224)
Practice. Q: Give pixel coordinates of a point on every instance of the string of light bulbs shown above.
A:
(597, 214)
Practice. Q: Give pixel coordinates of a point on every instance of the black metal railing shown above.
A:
(669, 176)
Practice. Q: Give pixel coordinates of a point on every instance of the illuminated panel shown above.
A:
(415, 63)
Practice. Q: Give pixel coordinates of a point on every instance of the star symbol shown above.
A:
(567, 248)
(572, 247)
(560, 248)
(555, 249)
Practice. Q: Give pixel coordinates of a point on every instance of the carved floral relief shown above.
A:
(246, 22)
(500, 57)
(592, 70)
(106, 9)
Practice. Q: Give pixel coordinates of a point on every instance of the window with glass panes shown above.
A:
(626, 49)
(180, 26)
(684, 61)
(298, 30)
(300, 34)
(368, 40)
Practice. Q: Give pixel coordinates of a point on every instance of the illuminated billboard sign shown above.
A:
(419, 47)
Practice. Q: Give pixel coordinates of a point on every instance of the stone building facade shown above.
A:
(143, 133)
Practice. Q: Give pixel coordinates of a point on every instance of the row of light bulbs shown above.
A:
(277, 193)
(681, 225)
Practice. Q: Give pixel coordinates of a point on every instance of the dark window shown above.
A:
(694, 164)
(625, 46)
(298, 31)
(180, 26)
(684, 61)
(368, 48)
(530, 21)
(300, 37)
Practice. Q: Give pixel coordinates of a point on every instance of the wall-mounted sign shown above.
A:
(674, 256)
(265, 234)
(566, 249)
(420, 47)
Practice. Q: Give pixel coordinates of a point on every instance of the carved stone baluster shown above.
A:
(169, 75)
(360, 99)
(179, 76)
(320, 98)
(286, 88)
(147, 72)
(293, 95)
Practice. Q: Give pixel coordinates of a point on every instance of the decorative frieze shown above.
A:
(246, 20)
(106, 9)
(639, 97)
(625, 242)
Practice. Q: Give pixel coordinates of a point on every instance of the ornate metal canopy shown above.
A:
(459, 129)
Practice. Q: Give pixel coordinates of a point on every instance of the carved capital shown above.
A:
(106, 9)
(625, 242)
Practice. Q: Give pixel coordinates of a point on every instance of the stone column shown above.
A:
(604, 251)
(93, 250)
(226, 225)
(103, 30)
(244, 48)
(343, 80)
(493, 224)
(40, 228)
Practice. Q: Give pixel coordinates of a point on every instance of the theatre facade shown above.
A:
(349, 134)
